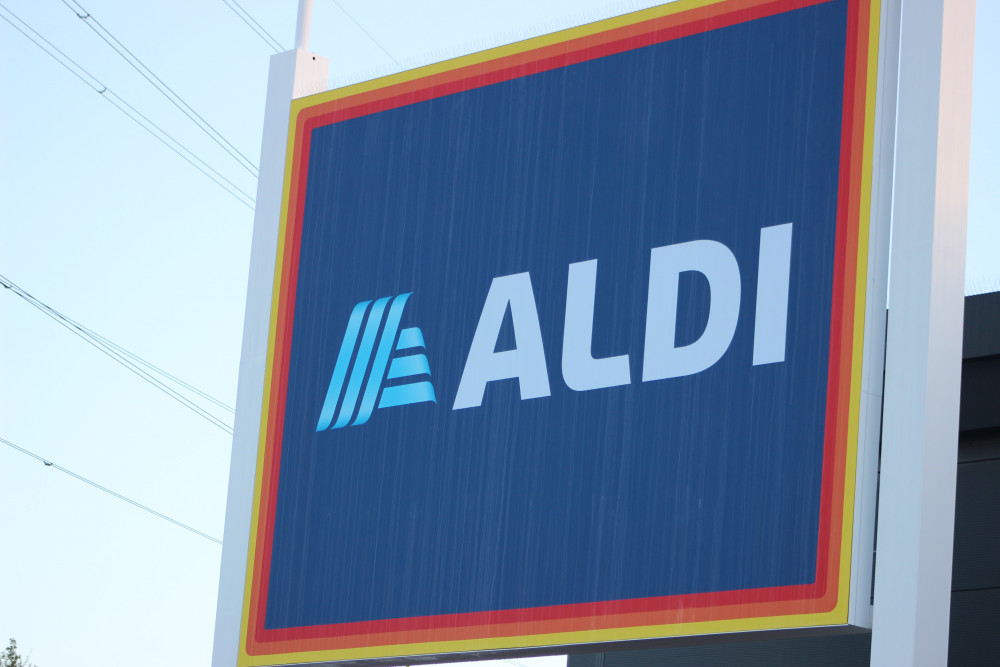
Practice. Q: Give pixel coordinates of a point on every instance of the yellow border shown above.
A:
(500, 52)
(860, 305)
(533, 641)
(837, 616)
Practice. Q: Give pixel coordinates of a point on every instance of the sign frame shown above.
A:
(862, 245)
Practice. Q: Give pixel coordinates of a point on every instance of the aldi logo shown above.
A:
(380, 338)
(513, 296)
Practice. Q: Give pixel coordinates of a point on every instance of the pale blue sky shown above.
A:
(103, 223)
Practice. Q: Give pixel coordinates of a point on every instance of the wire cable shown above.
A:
(80, 72)
(156, 131)
(367, 34)
(50, 464)
(162, 87)
(49, 310)
(244, 198)
(255, 26)
(120, 358)
(125, 359)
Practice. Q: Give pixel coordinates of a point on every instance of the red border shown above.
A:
(810, 598)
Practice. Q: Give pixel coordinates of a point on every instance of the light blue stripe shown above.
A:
(361, 363)
(414, 364)
(381, 359)
(418, 392)
(410, 338)
(340, 370)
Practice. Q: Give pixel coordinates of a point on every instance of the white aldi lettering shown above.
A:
(662, 358)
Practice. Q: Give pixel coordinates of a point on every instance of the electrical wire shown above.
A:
(109, 349)
(162, 87)
(140, 367)
(255, 26)
(142, 121)
(105, 489)
(243, 197)
(367, 34)
(49, 310)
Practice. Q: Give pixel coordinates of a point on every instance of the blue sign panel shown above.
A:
(557, 347)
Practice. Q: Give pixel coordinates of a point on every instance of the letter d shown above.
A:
(661, 358)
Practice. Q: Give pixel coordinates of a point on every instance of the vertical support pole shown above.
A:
(302, 25)
(292, 74)
(924, 342)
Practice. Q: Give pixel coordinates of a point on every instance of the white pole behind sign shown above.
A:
(916, 515)
(292, 74)
(302, 25)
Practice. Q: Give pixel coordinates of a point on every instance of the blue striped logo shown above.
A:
(384, 346)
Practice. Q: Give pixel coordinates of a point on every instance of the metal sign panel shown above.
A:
(566, 341)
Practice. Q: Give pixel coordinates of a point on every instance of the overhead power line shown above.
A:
(256, 27)
(52, 312)
(105, 489)
(142, 121)
(146, 370)
(367, 34)
(162, 87)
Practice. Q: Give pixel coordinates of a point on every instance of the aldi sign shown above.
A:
(566, 342)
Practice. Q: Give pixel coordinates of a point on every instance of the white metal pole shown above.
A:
(292, 74)
(302, 25)
(916, 514)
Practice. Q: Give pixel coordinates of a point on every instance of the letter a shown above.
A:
(526, 361)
